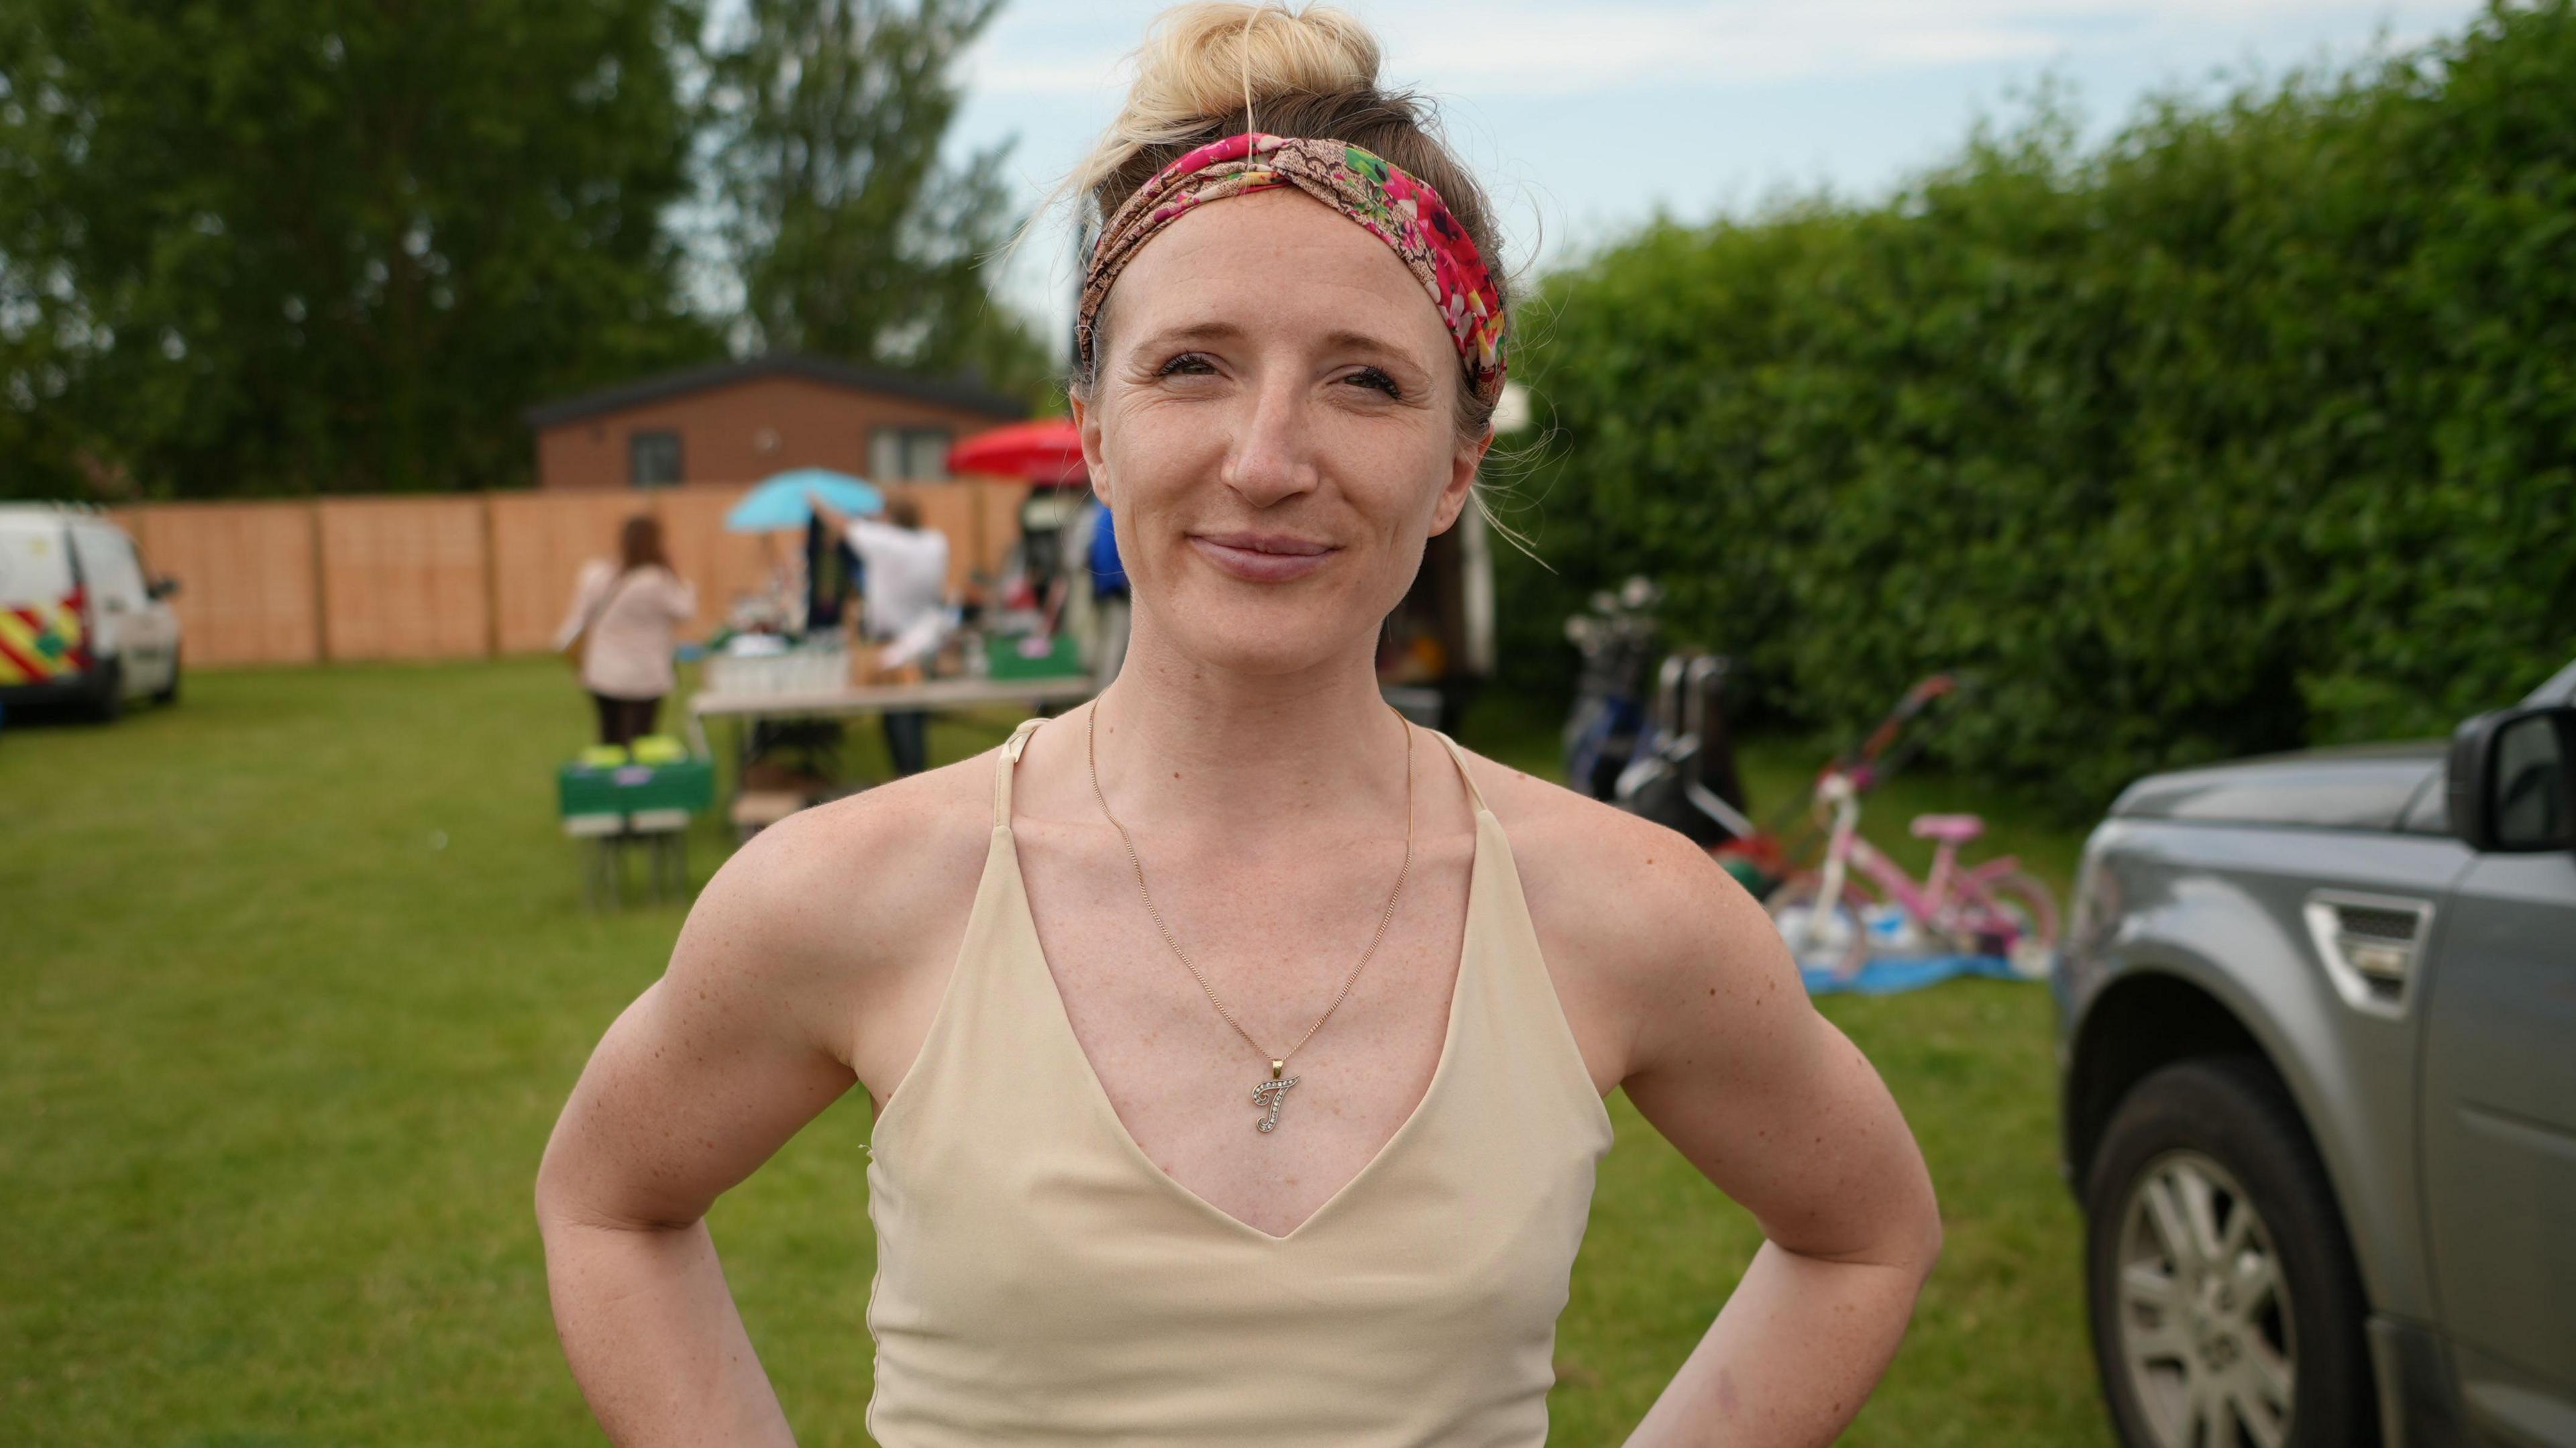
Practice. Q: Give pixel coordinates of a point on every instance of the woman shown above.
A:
(1239, 1049)
(629, 612)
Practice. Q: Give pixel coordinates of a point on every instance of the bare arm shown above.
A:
(698, 1082)
(840, 524)
(1733, 1065)
(1784, 1114)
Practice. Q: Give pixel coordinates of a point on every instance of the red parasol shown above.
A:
(1044, 452)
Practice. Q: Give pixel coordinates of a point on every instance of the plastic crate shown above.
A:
(1062, 658)
(689, 784)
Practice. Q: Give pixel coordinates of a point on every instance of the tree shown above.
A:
(282, 246)
(849, 235)
(2254, 426)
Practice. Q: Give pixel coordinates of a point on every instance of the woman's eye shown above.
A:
(1188, 364)
(1371, 377)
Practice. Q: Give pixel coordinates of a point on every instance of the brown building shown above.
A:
(738, 422)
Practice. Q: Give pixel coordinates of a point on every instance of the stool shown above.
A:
(663, 833)
(755, 810)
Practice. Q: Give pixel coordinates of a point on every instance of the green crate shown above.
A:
(1062, 658)
(689, 784)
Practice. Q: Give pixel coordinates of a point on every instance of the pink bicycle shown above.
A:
(1990, 908)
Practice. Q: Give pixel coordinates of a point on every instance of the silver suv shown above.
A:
(2318, 1041)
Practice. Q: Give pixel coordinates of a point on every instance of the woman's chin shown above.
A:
(1268, 640)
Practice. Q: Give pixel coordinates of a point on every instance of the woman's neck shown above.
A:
(1179, 740)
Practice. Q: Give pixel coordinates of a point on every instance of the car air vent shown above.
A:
(2369, 945)
(2377, 924)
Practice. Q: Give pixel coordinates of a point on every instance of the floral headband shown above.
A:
(1396, 208)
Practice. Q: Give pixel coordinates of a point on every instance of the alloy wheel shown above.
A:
(2204, 1309)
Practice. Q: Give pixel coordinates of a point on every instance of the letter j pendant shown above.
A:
(1270, 1093)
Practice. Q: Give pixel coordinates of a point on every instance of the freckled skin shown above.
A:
(1268, 367)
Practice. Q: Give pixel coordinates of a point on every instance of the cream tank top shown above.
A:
(1041, 1281)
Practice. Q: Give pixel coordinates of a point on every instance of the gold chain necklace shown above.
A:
(1268, 1093)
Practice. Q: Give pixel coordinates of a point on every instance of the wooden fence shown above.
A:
(466, 575)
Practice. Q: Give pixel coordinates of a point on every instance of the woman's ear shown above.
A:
(1463, 463)
(1086, 426)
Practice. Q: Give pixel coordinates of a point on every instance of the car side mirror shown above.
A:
(2511, 785)
(161, 587)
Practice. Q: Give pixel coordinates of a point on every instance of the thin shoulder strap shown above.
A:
(608, 595)
(1458, 757)
(1011, 748)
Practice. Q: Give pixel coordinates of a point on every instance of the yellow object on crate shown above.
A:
(660, 749)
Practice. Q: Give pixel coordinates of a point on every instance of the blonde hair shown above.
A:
(1219, 68)
(1214, 60)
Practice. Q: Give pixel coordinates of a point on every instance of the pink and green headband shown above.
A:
(1395, 207)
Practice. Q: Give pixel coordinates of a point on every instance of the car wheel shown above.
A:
(2224, 1303)
(169, 692)
(107, 695)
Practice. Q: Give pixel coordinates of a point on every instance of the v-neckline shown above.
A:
(1099, 1093)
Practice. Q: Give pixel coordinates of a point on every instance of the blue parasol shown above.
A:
(779, 503)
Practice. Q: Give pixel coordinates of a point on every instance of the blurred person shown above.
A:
(830, 575)
(903, 581)
(626, 616)
(1239, 1049)
(1112, 603)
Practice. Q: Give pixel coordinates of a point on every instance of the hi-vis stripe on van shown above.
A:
(40, 642)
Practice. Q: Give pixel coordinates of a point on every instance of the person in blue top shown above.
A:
(1110, 601)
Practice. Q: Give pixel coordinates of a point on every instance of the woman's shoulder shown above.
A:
(1564, 835)
(1637, 909)
(881, 846)
(855, 892)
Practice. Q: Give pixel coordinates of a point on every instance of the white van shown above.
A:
(81, 623)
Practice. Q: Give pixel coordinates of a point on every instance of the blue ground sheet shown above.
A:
(1890, 974)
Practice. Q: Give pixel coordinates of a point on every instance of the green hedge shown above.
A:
(2253, 427)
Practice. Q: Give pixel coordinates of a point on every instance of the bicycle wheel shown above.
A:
(2025, 921)
(1834, 940)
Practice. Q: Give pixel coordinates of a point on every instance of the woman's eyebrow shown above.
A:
(1365, 342)
(1341, 339)
(1193, 332)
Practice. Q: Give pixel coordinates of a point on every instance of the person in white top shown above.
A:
(633, 609)
(904, 589)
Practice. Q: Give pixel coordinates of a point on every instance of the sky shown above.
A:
(1586, 117)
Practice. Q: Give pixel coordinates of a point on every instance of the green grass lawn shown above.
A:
(296, 976)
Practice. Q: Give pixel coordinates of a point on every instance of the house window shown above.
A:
(908, 454)
(653, 459)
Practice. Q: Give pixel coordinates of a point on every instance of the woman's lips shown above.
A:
(1262, 558)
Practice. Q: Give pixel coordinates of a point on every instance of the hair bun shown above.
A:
(1217, 58)
(1210, 58)
(1214, 60)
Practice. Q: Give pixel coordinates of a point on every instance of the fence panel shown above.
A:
(405, 578)
(465, 575)
(248, 593)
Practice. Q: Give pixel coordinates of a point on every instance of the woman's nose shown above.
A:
(1273, 453)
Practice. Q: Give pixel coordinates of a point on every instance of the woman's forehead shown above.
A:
(1276, 259)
